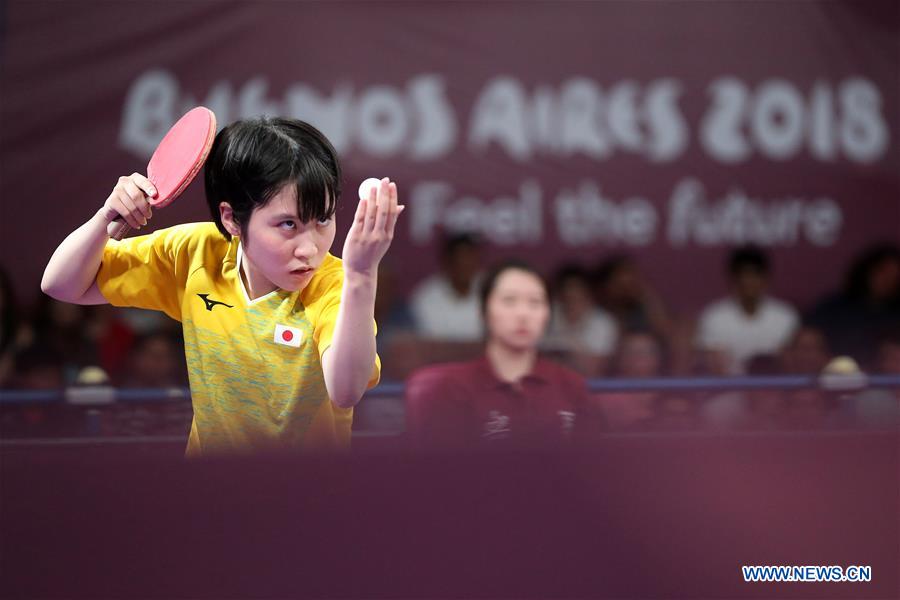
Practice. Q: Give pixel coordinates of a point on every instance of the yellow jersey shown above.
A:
(254, 365)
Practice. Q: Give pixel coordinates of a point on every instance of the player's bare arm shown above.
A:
(70, 275)
(349, 361)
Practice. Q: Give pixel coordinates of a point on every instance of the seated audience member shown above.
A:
(639, 354)
(807, 352)
(854, 318)
(398, 345)
(36, 368)
(63, 328)
(879, 408)
(156, 361)
(445, 305)
(749, 321)
(763, 409)
(39, 367)
(623, 293)
(9, 328)
(730, 409)
(768, 409)
(510, 394)
(391, 311)
(581, 332)
(112, 335)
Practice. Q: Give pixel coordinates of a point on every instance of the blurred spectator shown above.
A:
(382, 415)
(772, 409)
(639, 354)
(9, 312)
(853, 318)
(820, 407)
(754, 409)
(623, 293)
(156, 361)
(391, 312)
(9, 327)
(807, 352)
(721, 409)
(112, 336)
(582, 333)
(62, 327)
(39, 367)
(445, 305)
(143, 322)
(879, 408)
(510, 394)
(749, 321)
(888, 362)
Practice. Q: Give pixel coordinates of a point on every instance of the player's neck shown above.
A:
(256, 285)
(510, 364)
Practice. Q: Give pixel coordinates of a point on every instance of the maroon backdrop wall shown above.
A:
(670, 131)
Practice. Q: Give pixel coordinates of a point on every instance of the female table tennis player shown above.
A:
(511, 395)
(279, 333)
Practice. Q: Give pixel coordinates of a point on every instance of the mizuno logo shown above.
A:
(211, 303)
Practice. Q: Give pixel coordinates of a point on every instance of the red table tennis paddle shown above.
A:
(176, 161)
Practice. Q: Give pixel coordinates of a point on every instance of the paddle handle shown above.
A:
(117, 228)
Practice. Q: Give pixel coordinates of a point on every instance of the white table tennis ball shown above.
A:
(366, 186)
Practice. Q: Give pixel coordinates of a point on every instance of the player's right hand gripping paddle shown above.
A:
(176, 161)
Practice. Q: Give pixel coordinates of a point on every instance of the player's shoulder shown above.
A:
(326, 281)
(332, 267)
(192, 234)
(324, 289)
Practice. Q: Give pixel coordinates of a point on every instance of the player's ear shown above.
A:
(227, 215)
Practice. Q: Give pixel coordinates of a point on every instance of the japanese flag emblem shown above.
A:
(288, 336)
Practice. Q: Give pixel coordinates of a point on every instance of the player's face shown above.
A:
(517, 310)
(280, 251)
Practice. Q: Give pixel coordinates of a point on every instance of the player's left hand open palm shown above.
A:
(372, 230)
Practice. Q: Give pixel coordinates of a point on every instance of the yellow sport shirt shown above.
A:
(255, 366)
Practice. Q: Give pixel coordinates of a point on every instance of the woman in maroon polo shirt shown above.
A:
(510, 394)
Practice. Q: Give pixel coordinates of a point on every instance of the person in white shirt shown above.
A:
(582, 333)
(446, 306)
(749, 321)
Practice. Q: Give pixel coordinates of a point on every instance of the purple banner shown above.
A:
(558, 132)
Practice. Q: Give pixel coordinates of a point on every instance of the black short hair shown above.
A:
(251, 160)
(609, 267)
(493, 274)
(856, 283)
(455, 241)
(748, 258)
(568, 272)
